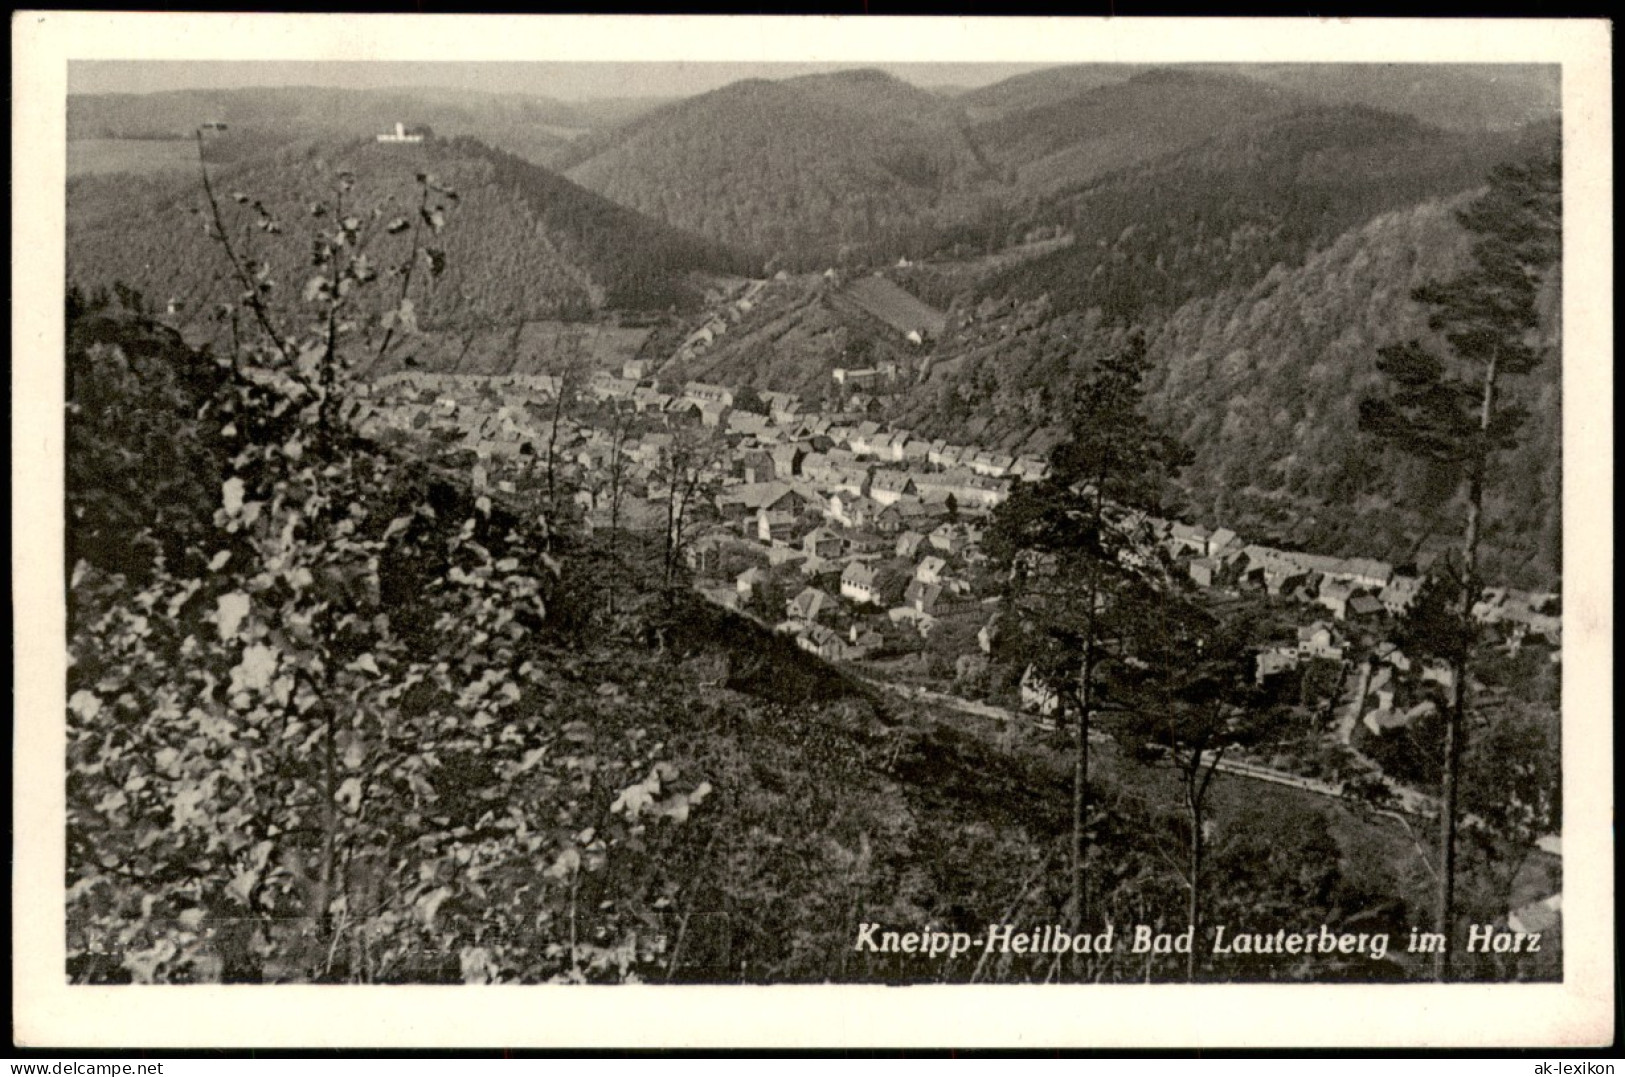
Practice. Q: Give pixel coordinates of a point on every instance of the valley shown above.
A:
(663, 534)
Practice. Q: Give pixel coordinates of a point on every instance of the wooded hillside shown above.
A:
(529, 244)
(795, 171)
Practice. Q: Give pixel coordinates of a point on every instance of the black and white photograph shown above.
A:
(870, 517)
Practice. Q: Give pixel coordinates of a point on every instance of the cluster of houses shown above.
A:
(834, 495)
(1353, 592)
(1346, 595)
(833, 535)
(848, 562)
(827, 500)
(867, 533)
(1350, 589)
(727, 312)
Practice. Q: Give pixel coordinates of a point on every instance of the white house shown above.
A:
(858, 582)
(400, 135)
(1335, 595)
(1319, 641)
(888, 487)
(703, 393)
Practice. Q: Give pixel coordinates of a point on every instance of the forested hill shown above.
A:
(1266, 266)
(1265, 383)
(1066, 143)
(1037, 89)
(1262, 380)
(1461, 97)
(789, 169)
(859, 167)
(1223, 212)
(527, 243)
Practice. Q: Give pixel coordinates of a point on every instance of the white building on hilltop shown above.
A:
(400, 134)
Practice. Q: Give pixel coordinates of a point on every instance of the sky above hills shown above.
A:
(566, 81)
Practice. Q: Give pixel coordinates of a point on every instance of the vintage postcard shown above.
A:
(812, 532)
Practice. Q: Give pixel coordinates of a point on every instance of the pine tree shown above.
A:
(1190, 692)
(1448, 409)
(1066, 543)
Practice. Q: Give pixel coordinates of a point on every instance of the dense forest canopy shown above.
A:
(1466, 97)
(533, 245)
(859, 165)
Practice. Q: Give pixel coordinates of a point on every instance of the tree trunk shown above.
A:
(1455, 733)
(326, 869)
(1080, 769)
(1080, 783)
(614, 526)
(671, 509)
(552, 470)
(1193, 910)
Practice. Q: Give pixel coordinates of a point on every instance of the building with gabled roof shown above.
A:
(771, 527)
(1319, 640)
(822, 641)
(822, 542)
(1362, 607)
(786, 459)
(853, 510)
(705, 393)
(858, 583)
(1222, 541)
(747, 581)
(922, 596)
(887, 487)
(807, 605)
(1399, 593)
(1185, 539)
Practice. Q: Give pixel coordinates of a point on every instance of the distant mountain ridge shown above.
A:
(531, 126)
(860, 167)
(856, 165)
(307, 108)
(1464, 97)
(1069, 142)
